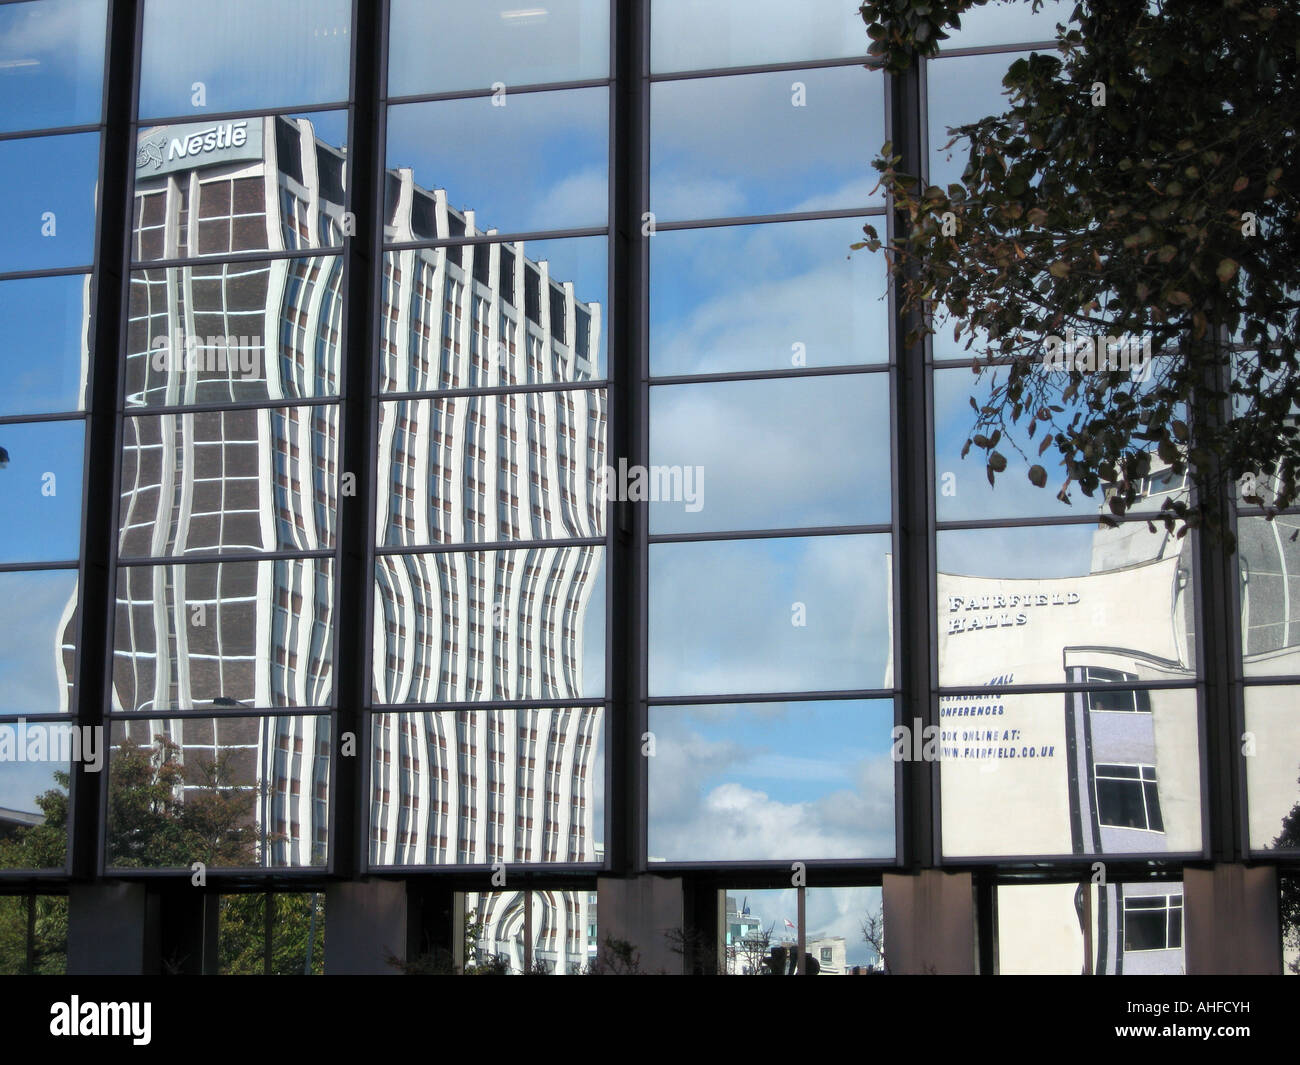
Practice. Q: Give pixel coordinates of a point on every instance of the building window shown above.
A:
(1153, 922)
(1127, 797)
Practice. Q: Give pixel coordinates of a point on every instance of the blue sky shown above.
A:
(39, 527)
(42, 321)
(51, 63)
(42, 175)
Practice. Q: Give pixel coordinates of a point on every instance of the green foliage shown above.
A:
(1289, 839)
(1167, 212)
(901, 29)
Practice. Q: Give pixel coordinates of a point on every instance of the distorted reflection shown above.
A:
(562, 926)
(33, 802)
(231, 792)
(1271, 754)
(224, 634)
(475, 787)
(38, 659)
(1091, 929)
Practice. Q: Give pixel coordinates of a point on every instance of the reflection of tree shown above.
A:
(155, 821)
(242, 947)
(1289, 839)
(747, 954)
(873, 934)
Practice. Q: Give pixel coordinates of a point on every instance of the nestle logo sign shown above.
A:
(170, 148)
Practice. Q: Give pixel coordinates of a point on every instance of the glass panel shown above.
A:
(845, 930)
(770, 615)
(224, 634)
(486, 786)
(1268, 557)
(45, 360)
(960, 90)
(468, 154)
(39, 658)
(34, 792)
(243, 54)
(42, 467)
(49, 943)
(51, 63)
(777, 454)
(764, 143)
(754, 923)
(523, 466)
(1290, 909)
(462, 627)
(1271, 748)
(231, 792)
(236, 480)
(708, 34)
(1150, 933)
(1042, 929)
(772, 781)
(48, 210)
(447, 45)
(776, 296)
(483, 315)
(1059, 774)
(1008, 23)
(962, 489)
(297, 934)
(199, 334)
(1038, 605)
(268, 183)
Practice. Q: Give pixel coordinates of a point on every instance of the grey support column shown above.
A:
(646, 912)
(1231, 920)
(112, 930)
(368, 931)
(930, 923)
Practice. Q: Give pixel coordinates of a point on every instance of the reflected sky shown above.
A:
(443, 45)
(774, 454)
(764, 297)
(557, 141)
(51, 63)
(42, 491)
(21, 783)
(44, 176)
(707, 34)
(247, 53)
(722, 615)
(960, 90)
(788, 781)
(744, 145)
(43, 323)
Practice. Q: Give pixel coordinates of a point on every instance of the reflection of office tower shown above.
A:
(467, 787)
(478, 786)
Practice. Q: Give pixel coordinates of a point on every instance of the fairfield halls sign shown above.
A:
(166, 149)
(970, 613)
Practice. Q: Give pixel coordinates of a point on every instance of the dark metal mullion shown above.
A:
(626, 810)
(257, 255)
(205, 713)
(49, 131)
(914, 516)
(23, 567)
(777, 217)
(538, 388)
(94, 653)
(461, 548)
(53, 271)
(507, 237)
(364, 259)
(229, 557)
(757, 68)
(511, 90)
(178, 410)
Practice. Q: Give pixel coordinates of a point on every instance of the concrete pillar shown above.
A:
(112, 930)
(1231, 920)
(930, 923)
(366, 928)
(647, 912)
